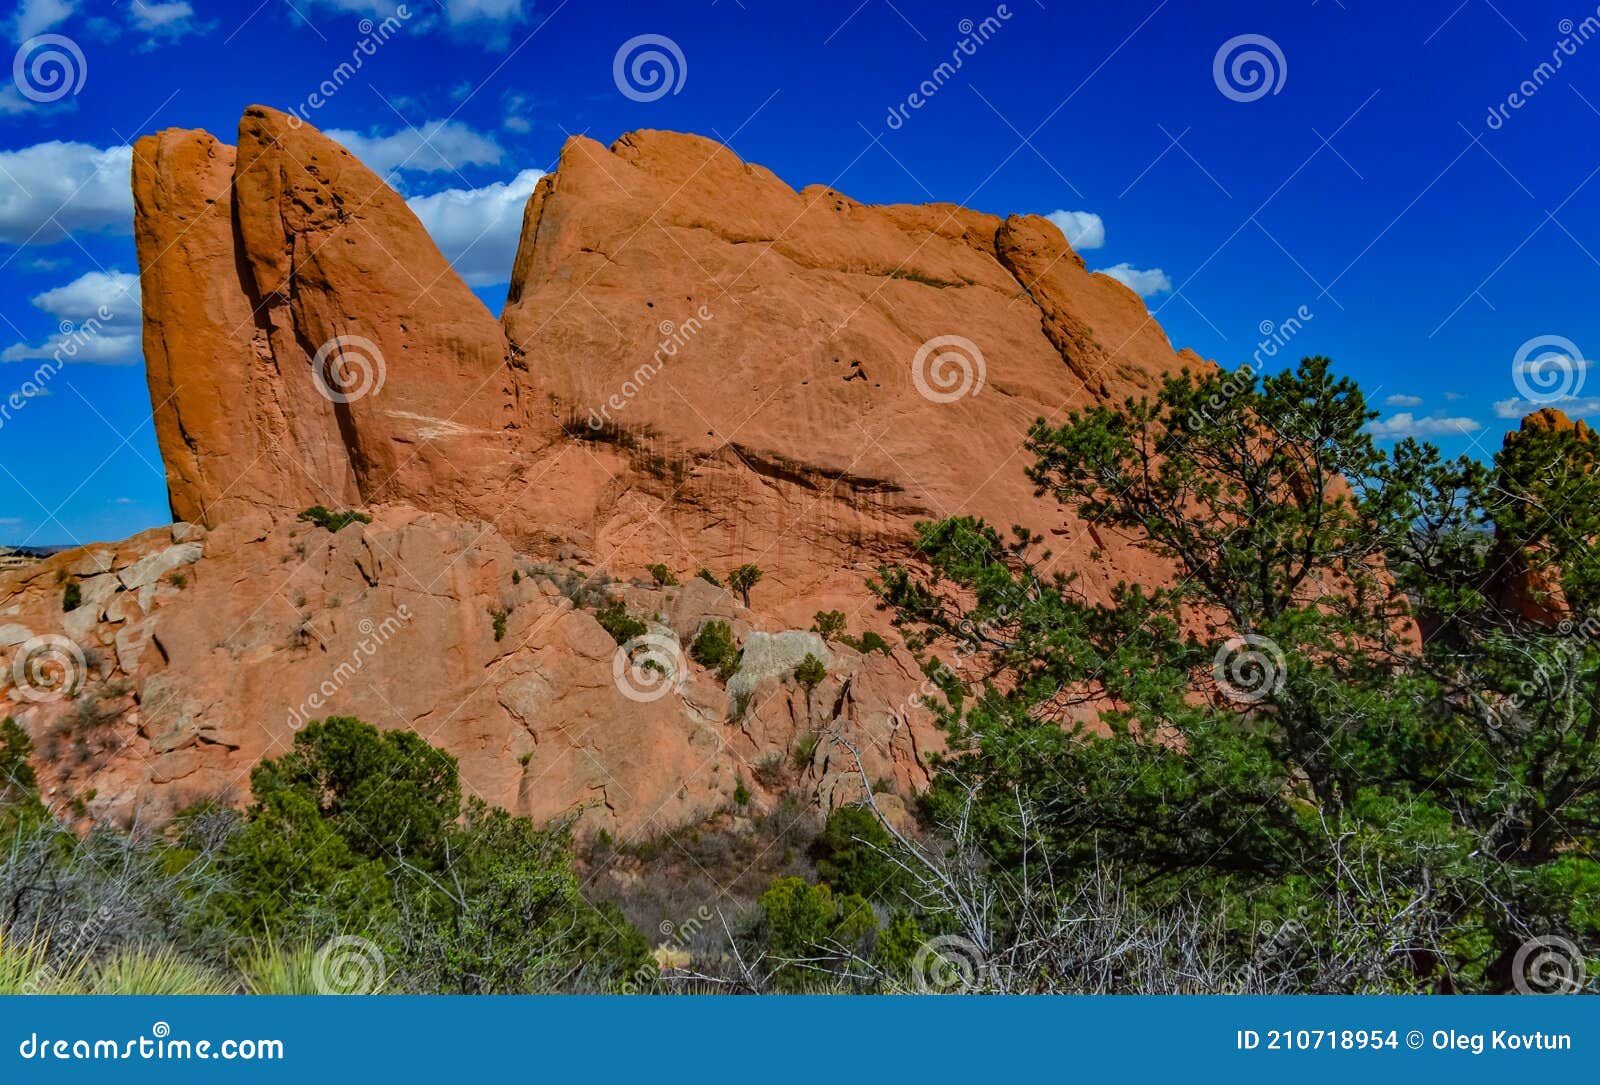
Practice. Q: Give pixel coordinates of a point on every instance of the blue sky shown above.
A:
(1380, 177)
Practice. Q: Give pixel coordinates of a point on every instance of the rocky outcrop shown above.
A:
(306, 342)
(185, 663)
(699, 366)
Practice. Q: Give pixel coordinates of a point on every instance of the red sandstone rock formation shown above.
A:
(697, 365)
(704, 366)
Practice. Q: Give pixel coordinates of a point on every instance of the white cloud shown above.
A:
(517, 107)
(1453, 397)
(112, 296)
(160, 16)
(166, 21)
(483, 11)
(428, 148)
(37, 16)
(477, 229)
(53, 189)
(1403, 401)
(99, 312)
(491, 15)
(1141, 282)
(1083, 229)
(1585, 407)
(1407, 425)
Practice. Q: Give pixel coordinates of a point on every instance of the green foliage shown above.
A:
(898, 944)
(71, 596)
(810, 672)
(510, 918)
(497, 621)
(741, 794)
(1310, 743)
(867, 642)
(615, 619)
(20, 804)
(335, 522)
(743, 579)
(803, 923)
(855, 855)
(662, 575)
(714, 647)
(709, 577)
(516, 576)
(829, 623)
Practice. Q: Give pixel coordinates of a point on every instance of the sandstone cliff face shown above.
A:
(193, 655)
(700, 366)
(697, 366)
(307, 343)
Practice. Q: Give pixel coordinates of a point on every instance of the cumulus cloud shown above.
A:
(99, 314)
(427, 148)
(37, 16)
(1142, 282)
(1402, 401)
(166, 21)
(1407, 425)
(113, 296)
(1083, 229)
(1573, 407)
(53, 189)
(477, 229)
